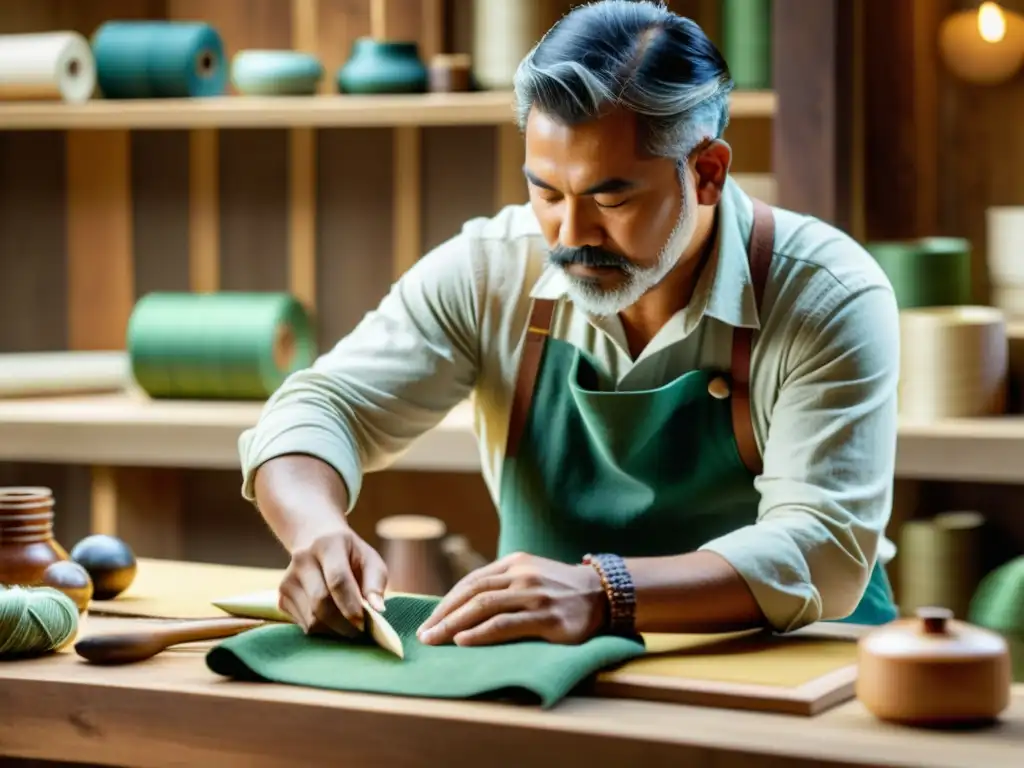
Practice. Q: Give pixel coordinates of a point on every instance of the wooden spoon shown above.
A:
(128, 647)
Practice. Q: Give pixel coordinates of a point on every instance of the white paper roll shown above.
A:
(28, 374)
(954, 363)
(504, 31)
(57, 66)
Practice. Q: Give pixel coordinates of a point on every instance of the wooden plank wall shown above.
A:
(332, 215)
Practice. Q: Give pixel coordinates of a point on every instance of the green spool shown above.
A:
(747, 42)
(230, 346)
(929, 272)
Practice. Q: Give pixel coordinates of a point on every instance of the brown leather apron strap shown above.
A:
(759, 256)
(542, 312)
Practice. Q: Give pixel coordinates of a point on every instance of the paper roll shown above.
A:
(57, 66)
(35, 374)
(1005, 256)
(940, 562)
(503, 33)
(954, 362)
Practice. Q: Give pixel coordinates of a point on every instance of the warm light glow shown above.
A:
(991, 22)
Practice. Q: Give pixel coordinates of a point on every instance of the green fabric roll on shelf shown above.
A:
(159, 59)
(747, 42)
(998, 605)
(929, 272)
(231, 345)
(541, 672)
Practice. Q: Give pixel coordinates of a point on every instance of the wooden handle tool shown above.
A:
(129, 647)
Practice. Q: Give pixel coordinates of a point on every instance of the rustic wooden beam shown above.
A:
(813, 152)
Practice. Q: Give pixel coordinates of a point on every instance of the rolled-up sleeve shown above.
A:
(829, 460)
(393, 378)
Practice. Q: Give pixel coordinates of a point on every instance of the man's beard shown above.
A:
(636, 281)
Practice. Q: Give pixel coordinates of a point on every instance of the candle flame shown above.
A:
(991, 22)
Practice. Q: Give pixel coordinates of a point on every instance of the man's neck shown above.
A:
(642, 321)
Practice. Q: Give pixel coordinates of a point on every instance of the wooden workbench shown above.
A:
(172, 711)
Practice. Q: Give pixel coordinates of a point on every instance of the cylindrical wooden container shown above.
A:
(933, 671)
(450, 73)
(27, 546)
(939, 562)
(954, 363)
(411, 546)
(503, 33)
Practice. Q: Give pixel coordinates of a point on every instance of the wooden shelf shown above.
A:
(985, 450)
(127, 430)
(481, 108)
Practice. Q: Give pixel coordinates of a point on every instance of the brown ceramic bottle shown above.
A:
(27, 546)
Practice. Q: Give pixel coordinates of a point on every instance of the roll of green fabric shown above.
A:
(159, 59)
(929, 272)
(542, 672)
(998, 604)
(747, 42)
(235, 346)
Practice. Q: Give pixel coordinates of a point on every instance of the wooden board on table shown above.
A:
(802, 673)
(168, 589)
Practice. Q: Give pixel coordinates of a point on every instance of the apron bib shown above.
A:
(641, 474)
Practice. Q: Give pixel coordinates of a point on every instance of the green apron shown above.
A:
(640, 474)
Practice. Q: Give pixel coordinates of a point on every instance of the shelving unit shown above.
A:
(330, 197)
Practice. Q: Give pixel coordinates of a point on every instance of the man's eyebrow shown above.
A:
(608, 186)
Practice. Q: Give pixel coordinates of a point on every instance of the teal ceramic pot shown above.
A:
(377, 66)
(276, 73)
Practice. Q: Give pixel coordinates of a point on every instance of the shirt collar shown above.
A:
(724, 290)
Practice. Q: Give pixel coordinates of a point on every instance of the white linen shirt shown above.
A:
(824, 376)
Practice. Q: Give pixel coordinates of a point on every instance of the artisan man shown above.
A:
(685, 399)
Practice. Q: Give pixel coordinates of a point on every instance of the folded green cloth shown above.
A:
(541, 672)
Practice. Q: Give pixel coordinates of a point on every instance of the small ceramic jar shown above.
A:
(27, 546)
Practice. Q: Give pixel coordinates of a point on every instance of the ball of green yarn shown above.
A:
(35, 620)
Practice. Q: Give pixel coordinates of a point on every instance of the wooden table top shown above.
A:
(171, 710)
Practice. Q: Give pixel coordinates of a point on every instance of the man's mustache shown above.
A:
(588, 256)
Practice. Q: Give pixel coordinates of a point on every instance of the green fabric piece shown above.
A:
(538, 672)
(642, 474)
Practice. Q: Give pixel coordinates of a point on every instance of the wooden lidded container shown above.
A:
(27, 546)
(934, 671)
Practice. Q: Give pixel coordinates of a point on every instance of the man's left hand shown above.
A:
(516, 598)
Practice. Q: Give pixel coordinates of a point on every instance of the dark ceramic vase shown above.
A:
(377, 66)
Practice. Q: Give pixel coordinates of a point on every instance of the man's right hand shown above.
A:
(332, 569)
(325, 582)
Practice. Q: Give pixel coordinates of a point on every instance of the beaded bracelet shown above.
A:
(618, 586)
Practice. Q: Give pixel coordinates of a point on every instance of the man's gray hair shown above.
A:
(636, 55)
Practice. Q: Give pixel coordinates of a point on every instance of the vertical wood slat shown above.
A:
(902, 117)
(510, 185)
(101, 281)
(204, 211)
(812, 65)
(408, 199)
(101, 294)
(302, 177)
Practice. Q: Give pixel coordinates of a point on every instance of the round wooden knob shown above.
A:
(718, 388)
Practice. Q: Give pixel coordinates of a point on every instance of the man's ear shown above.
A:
(711, 165)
